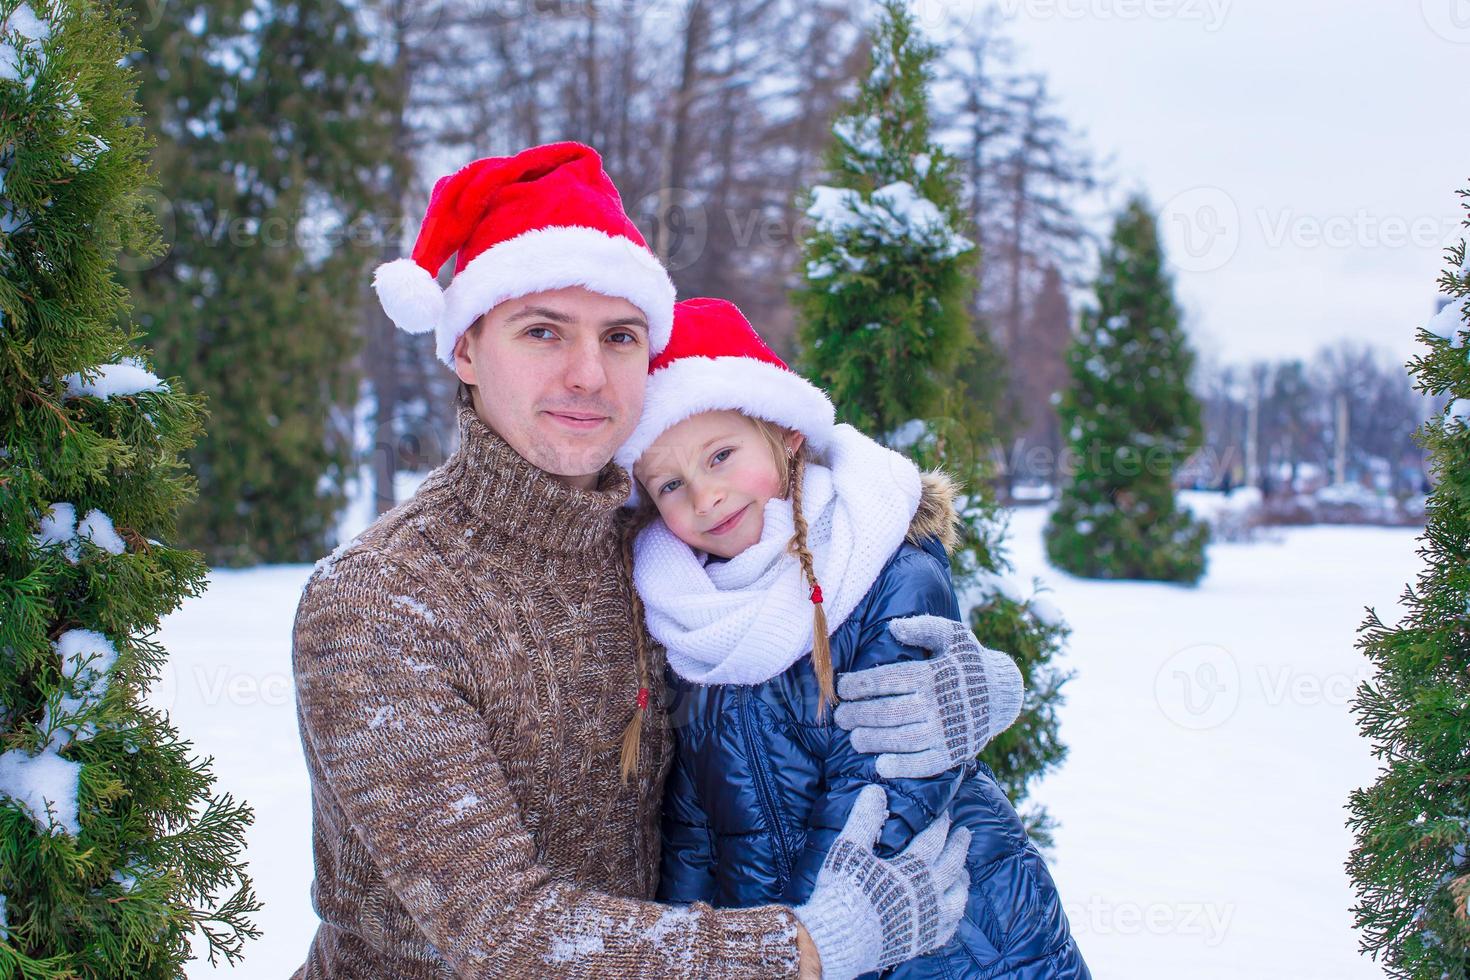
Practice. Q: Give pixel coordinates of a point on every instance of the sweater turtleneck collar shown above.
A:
(522, 502)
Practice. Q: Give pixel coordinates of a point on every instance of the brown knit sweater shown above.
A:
(464, 672)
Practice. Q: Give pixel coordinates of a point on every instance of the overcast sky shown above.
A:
(1304, 154)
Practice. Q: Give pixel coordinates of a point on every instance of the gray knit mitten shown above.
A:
(866, 912)
(928, 716)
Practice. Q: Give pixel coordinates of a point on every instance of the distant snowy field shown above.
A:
(1201, 809)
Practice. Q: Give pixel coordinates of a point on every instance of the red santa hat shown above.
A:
(715, 360)
(546, 218)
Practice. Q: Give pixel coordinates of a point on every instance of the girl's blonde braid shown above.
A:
(821, 643)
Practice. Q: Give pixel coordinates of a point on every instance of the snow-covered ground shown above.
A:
(1212, 752)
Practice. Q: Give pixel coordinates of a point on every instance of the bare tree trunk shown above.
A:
(626, 81)
(716, 280)
(593, 123)
(382, 346)
(676, 141)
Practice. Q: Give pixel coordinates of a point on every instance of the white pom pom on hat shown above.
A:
(410, 295)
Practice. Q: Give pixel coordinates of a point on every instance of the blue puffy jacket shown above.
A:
(759, 790)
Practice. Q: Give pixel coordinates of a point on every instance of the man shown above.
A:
(465, 669)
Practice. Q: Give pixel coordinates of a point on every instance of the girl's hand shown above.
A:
(867, 912)
(926, 717)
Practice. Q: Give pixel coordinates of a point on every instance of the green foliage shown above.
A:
(884, 328)
(1001, 616)
(1131, 422)
(882, 313)
(122, 897)
(1412, 827)
(269, 122)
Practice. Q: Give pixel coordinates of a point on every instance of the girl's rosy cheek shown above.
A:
(761, 479)
(772, 484)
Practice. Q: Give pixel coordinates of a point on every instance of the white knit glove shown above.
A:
(928, 716)
(867, 913)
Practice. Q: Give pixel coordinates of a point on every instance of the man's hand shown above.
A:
(928, 716)
(867, 913)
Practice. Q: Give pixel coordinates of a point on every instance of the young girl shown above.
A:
(775, 548)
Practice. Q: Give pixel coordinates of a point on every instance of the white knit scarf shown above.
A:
(745, 620)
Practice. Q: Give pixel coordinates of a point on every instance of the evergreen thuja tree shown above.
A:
(887, 272)
(1411, 862)
(884, 327)
(1130, 421)
(113, 852)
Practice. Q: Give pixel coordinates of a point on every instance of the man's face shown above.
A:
(559, 375)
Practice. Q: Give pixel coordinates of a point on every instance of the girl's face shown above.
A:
(710, 477)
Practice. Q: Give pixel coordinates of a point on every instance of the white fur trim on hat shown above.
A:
(692, 385)
(410, 295)
(555, 258)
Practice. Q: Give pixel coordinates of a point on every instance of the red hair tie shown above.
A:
(643, 699)
(816, 595)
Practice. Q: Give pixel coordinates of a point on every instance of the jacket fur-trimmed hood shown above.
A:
(936, 516)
